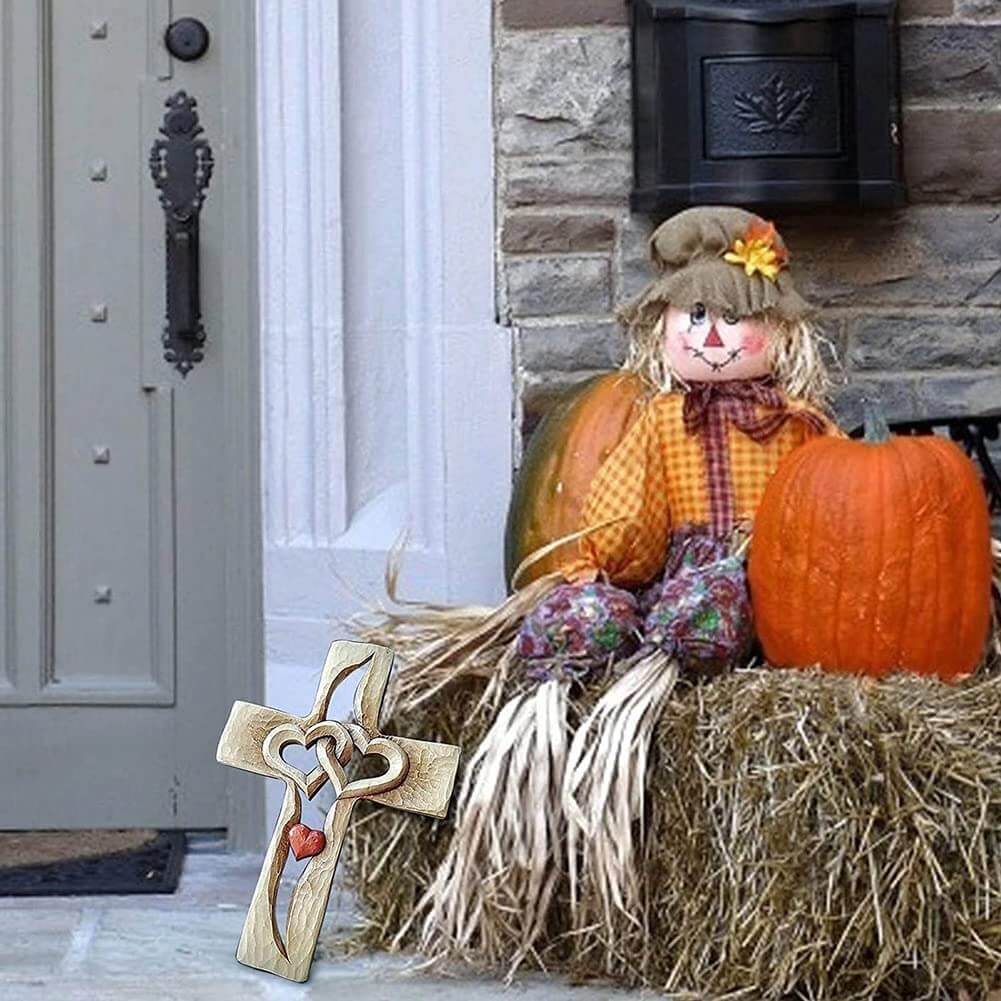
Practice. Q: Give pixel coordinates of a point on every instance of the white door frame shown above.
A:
(240, 522)
(457, 390)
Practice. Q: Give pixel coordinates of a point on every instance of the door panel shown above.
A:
(112, 480)
(114, 475)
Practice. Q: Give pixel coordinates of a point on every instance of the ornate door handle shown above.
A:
(181, 164)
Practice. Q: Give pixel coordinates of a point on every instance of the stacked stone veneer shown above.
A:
(912, 298)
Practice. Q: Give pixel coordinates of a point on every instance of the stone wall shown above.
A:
(912, 299)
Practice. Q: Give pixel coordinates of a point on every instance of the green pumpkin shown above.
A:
(559, 465)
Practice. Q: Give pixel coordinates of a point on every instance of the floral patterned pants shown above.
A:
(698, 612)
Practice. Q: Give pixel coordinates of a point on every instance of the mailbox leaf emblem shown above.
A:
(774, 108)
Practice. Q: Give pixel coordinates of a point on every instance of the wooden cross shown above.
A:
(419, 778)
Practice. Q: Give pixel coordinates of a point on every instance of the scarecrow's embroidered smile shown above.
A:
(715, 366)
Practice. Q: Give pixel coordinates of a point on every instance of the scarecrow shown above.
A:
(626, 543)
(634, 555)
(730, 365)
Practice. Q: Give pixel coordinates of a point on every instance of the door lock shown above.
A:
(187, 39)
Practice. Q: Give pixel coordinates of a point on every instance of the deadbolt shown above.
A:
(187, 39)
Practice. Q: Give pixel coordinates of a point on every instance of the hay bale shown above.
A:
(827, 835)
(808, 834)
(391, 856)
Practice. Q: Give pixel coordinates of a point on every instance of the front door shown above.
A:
(126, 596)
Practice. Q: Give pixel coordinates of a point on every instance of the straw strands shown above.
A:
(769, 834)
(805, 834)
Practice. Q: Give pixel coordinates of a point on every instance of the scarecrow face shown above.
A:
(706, 347)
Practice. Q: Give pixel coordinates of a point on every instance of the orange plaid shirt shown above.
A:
(656, 478)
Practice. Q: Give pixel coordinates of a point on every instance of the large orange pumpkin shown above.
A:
(561, 460)
(874, 557)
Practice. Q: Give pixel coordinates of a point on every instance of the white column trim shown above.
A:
(423, 269)
(300, 271)
(478, 366)
(458, 360)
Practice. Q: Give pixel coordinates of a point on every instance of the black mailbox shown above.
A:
(765, 103)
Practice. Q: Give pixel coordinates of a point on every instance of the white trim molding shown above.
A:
(300, 271)
(387, 382)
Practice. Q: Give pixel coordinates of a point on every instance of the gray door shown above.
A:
(121, 480)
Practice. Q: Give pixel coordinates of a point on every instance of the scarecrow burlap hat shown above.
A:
(727, 258)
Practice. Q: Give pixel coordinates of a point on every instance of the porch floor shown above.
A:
(180, 947)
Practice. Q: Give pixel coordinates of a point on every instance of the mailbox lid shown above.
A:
(769, 11)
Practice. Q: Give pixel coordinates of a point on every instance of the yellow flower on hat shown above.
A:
(757, 251)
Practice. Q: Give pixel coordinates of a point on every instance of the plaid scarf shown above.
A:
(754, 406)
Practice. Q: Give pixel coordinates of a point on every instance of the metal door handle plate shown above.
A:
(181, 164)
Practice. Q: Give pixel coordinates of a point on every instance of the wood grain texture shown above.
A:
(419, 777)
(428, 786)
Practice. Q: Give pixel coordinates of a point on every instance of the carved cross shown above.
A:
(419, 778)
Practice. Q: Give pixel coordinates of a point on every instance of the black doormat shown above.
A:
(153, 865)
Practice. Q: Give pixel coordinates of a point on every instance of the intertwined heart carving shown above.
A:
(334, 748)
(327, 735)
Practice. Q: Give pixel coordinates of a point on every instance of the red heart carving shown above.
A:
(305, 842)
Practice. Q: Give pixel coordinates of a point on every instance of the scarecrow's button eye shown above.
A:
(730, 319)
(698, 314)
